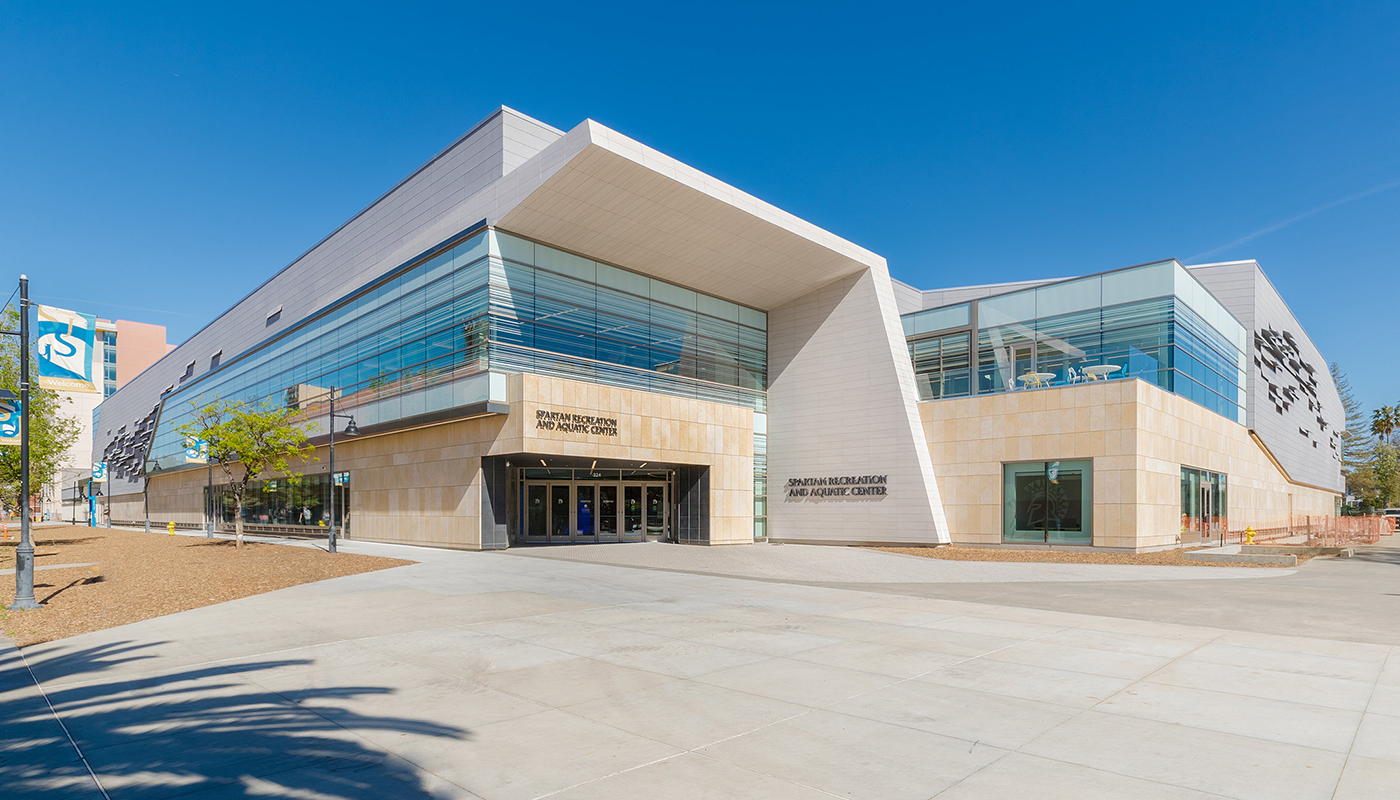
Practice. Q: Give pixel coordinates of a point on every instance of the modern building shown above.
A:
(124, 350)
(563, 337)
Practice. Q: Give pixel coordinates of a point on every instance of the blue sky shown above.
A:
(159, 161)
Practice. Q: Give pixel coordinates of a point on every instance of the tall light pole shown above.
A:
(24, 554)
(209, 493)
(351, 429)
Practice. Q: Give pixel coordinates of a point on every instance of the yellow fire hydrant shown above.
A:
(170, 528)
(1249, 535)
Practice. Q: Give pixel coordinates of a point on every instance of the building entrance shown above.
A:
(587, 510)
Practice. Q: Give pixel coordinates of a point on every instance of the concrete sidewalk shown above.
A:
(858, 565)
(487, 675)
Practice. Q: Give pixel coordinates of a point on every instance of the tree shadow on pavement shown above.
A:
(204, 731)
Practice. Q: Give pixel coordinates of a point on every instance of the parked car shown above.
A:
(1392, 514)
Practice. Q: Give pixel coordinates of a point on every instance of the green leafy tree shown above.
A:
(1355, 436)
(1387, 471)
(52, 433)
(247, 440)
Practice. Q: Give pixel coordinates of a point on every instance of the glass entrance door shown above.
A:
(559, 512)
(560, 529)
(632, 529)
(656, 510)
(585, 513)
(607, 512)
(536, 513)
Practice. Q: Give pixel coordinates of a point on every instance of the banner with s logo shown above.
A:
(65, 348)
(196, 451)
(10, 423)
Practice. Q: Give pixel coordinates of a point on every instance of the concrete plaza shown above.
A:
(816, 672)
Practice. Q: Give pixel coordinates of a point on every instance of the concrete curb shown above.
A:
(1230, 554)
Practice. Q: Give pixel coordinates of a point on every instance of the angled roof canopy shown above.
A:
(598, 192)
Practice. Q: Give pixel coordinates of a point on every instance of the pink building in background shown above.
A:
(125, 349)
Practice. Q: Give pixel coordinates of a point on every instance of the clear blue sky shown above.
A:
(157, 162)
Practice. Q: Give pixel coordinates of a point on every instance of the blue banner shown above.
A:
(10, 422)
(196, 451)
(65, 346)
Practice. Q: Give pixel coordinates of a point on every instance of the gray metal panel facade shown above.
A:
(444, 196)
(1292, 404)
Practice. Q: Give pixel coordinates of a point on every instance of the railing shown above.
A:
(1320, 531)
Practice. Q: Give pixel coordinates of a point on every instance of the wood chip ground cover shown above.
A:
(137, 575)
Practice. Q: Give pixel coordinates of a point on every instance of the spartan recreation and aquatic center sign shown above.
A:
(838, 486)
(568, 422)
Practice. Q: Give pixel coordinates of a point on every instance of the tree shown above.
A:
(259, 437)
(51, 432)
(1385, 421)
(1387, 470)
(1355, 436)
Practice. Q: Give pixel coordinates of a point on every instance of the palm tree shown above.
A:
(1385, 421)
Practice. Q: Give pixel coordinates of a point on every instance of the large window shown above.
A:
(433, 335)
(1154, 322)
(301, 500)
(1048, 502)
(941, 365)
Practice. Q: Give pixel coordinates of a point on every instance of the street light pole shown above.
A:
(332, 519)
(24, 554)
(209, 494)
(350, 430)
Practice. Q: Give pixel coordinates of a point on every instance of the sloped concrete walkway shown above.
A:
(486, 675)
(817, 564)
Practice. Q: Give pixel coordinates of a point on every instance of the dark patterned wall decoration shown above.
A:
(1292, 382)
(126, 451)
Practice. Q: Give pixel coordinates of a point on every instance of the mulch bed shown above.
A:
(137, 575)
(1161, 558)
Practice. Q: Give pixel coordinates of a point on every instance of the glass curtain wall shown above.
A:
(557, 313)
(1048, 502)
(1153, 322)
(423, 339)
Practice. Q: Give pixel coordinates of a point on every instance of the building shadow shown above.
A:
(204, 732)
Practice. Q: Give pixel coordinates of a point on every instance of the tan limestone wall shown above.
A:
(651, 428)
(423, 486)
(1138, 436)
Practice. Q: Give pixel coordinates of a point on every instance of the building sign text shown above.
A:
(838, 486)
(566, 422)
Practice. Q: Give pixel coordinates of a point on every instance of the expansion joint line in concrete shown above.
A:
(1369, 699)
(59, 720)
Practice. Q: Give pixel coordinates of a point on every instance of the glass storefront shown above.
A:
(302, 500)
(578, 506)
(1153, 322)
(1048, 502)
(1205, 503)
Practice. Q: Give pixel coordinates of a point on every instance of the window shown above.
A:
(189, 371)
(1048, 502)
(941, 366)
(274, 315)
(1204, 505)
(214, 360)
